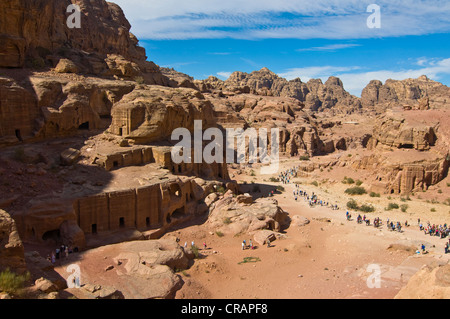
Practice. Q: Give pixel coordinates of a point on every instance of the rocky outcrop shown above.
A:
(430, 282)
(394, 130)
(36, 35)
(11, 247)
(236, 216)
(315, 95)
(37, 29)
(152, 113)
(141, 269)
(421, 93)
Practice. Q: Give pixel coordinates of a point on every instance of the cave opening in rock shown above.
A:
(18, 135)
(84, 126)
(52, 235)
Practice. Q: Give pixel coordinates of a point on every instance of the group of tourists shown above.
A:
(312, 199)
(286, 176)
(61, 252)
(441, 231)
(249, 246)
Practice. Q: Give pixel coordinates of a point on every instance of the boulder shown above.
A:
(45, 285)
(69, 156)
(11, 246)
(66, 66)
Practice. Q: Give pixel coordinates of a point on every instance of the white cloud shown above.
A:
(224, 75)
(331, 47)
(255, 19)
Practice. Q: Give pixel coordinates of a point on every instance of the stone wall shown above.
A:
(144, 208)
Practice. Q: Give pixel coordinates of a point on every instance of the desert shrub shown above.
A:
(11, 282)
(433, 209)
(373, 194)
(352, 204)
(221, 190)
(195, 251)
(249, 260)
(315, 183)
(359, 182)
(392, 206)
(227, 221)
(357, 190)
(274, 180)
(447, 201)
(366, 208)
(252, 173)
(404, 207)
(219, 234)
(304, 158)
(280, 188)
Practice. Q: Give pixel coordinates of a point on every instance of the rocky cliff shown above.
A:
(36, 34)
(421, 93)
(315, 95)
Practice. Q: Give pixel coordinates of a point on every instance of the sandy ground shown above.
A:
(328, 258)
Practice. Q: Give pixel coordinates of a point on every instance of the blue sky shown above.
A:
(296, 38)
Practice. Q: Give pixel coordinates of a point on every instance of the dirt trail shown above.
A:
(327, 258)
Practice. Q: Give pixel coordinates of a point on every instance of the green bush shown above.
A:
(366, 208)
(392, 206)
(404, 207)
(350, 180)
(11, 282)
(195, 250)
(304, 158)
(274, 180)
(221, 190)
(357, 190)
(359, 182)
(373, 194)
(315, 183)
(352, 204)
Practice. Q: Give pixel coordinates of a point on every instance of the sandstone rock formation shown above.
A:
(152, 113)
(141, 269)
(315, 95)
(11, 247)
(235, 216)
(421, 93)
(431, 282)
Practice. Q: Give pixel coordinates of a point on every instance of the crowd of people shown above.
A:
(60, 253)
(441, 231)
(286, 176)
